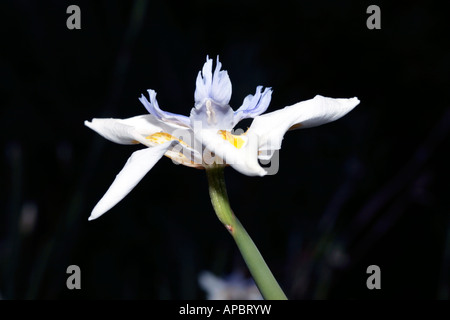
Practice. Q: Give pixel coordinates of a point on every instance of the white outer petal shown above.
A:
(125, 131)
(137, 166)
(271, 127)
(130, 130)
(244, 160)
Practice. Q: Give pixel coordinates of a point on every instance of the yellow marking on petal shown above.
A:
(236, 141)
(295, 126)
(162, 137)
(175, 155)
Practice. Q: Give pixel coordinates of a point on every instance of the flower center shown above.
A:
(235, 140)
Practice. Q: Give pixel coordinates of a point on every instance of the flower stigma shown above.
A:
(211, 114)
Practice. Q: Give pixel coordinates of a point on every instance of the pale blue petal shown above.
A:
(216, 87)
(212, 94)
(153, 107)
(253, 105)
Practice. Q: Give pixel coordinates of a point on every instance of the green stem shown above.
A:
(261, 273)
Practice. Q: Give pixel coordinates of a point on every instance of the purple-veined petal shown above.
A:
(271, 127)
(135, 169)
(253, 105)
(216, 87)
(153, 107)
(212, 95)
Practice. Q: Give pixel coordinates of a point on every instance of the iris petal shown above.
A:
(153, 107)
(253, 105)
(243, 159)
(125, 131)
(216, 87)
(137, 166)
(272, 126)
(212, 95)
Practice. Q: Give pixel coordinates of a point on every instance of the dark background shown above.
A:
(371, 188)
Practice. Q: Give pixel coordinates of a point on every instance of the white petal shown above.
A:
(244, 160)
(148, 124)
(271, 127)
(134, 170)
(247, 157)
(125, 131)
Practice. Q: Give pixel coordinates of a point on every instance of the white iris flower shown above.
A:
(206, 137)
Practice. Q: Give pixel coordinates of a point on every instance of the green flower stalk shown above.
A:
(261, 273)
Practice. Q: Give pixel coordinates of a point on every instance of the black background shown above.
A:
(371, 188)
